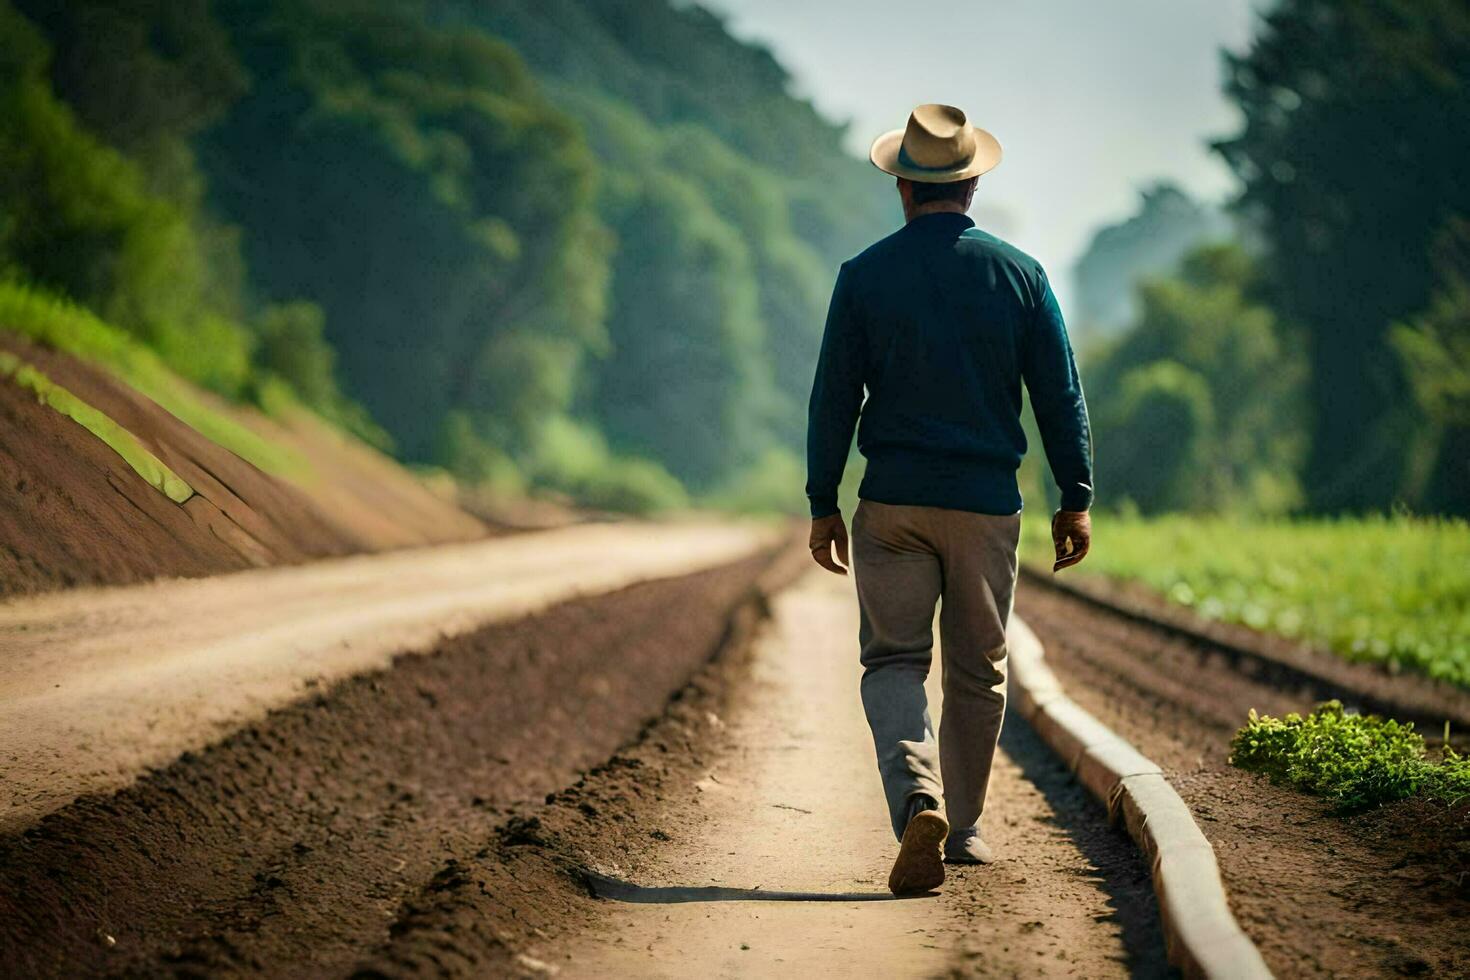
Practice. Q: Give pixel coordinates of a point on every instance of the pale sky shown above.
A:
(1090, 99)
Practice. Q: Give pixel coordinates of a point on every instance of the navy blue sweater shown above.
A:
(942, 323)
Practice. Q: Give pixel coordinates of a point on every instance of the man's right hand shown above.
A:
(828, 532)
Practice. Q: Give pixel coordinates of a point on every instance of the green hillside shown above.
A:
(562, 245)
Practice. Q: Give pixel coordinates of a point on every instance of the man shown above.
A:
(941, 323)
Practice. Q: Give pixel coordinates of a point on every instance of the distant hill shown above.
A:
(1168, 225)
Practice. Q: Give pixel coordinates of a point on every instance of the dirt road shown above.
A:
(99, 685)
(409, 821)
(313, 839)
(791, 803)
(372, 815)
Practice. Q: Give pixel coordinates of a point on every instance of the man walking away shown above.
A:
(941, 323)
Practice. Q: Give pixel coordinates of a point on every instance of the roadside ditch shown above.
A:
(1384, 892)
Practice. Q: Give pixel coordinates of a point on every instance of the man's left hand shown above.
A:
(828, 532)
(1071, 536)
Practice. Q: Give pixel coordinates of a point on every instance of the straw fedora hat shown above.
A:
(937, 146)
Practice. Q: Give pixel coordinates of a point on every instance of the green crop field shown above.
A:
(1392, 590)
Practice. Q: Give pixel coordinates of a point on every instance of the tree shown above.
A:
(1435, 347)
(1352, 160)
(1160, 425)
(414, 183)
(1228, 377)
(685, 382)
(143, 75)
(545, 242)
(78, 218)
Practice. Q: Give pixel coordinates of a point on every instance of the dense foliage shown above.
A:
(415, 184)
(587, 246)
(1352, 157)
(731, 204)
(80, 218)
(1197, 406)
(582, 246)
(101, 203)
(1392, 591)
(1356, 761)
(1330, 373)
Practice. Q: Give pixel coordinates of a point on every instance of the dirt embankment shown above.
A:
(76, 514)
(340, 826)
(1381, 893)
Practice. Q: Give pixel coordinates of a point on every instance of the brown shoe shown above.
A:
(920, 863)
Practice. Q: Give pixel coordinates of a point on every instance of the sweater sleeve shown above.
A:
(1050, 372)
(837, 398)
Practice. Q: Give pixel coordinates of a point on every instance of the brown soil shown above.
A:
(1381, 893)
(101, 685)
(76, 514)
(350, 822)
(408, 821)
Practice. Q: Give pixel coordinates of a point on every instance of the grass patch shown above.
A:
(1356, 761)
(66, 327)
(1390, 590)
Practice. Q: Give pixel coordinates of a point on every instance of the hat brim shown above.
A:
(884, 156)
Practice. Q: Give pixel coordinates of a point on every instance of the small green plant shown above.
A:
(1357, 761)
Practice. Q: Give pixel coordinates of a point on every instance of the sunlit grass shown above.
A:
(66, 327)
(1390, 590)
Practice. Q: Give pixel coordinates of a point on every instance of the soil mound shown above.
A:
(343, 826)
(75, 512)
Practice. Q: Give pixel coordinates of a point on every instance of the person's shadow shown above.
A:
(618, 890)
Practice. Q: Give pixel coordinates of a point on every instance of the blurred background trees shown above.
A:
(1197, 406)
(1322, 364)
(1352, 161)
(587, 247)
(556, 244)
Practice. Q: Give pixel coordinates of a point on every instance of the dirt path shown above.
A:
(1382, 893)
(792, 803)
(99, 685)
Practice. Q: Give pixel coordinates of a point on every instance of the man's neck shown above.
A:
(935, 207)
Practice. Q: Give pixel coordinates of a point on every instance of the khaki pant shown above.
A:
(906, 559)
